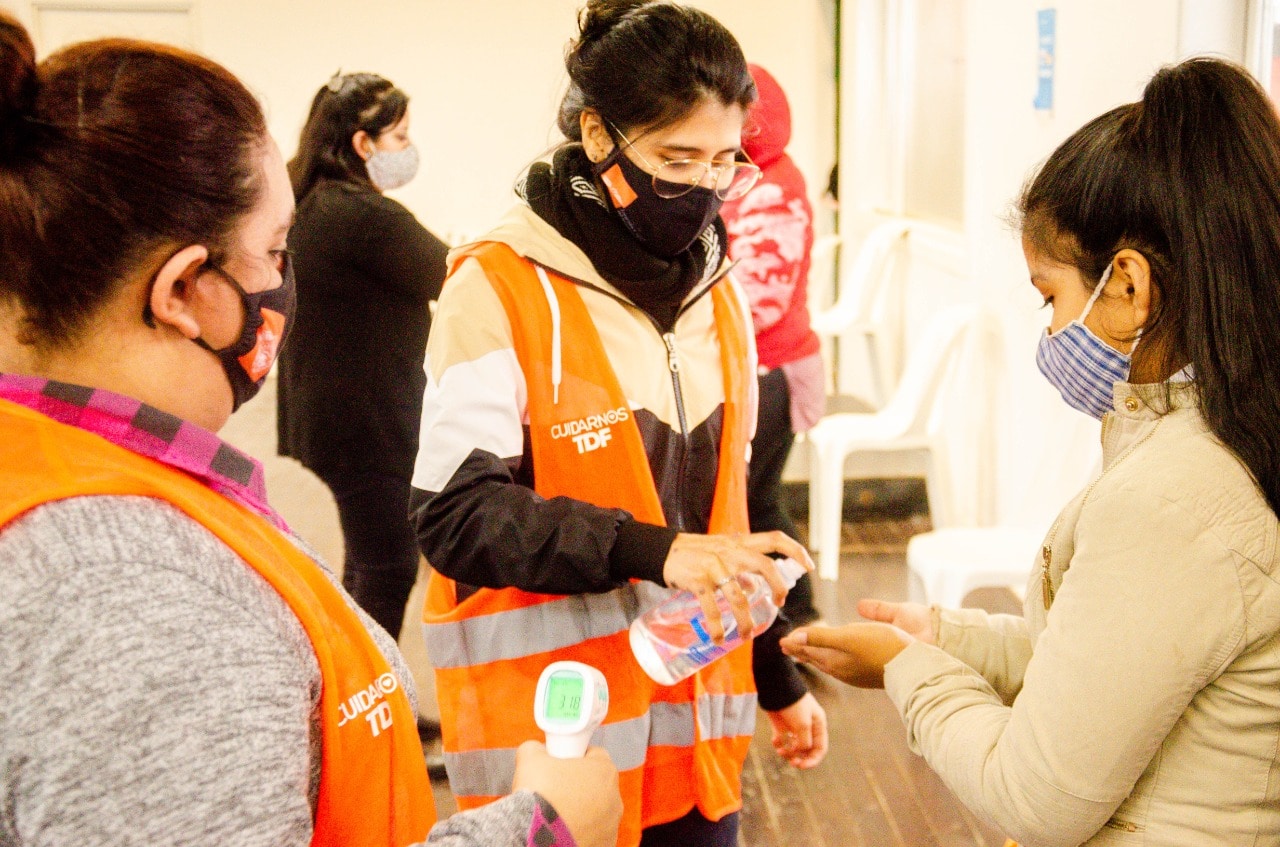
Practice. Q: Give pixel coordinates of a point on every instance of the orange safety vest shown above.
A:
(374, 788)
(674, 746)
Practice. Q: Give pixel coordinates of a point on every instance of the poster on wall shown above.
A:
(1047, 29)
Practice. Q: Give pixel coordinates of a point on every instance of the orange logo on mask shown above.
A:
(259, 360)
(619, 189)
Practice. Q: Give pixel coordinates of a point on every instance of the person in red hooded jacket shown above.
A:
(770, 235)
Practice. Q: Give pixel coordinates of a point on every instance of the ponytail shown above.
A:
(1189, 176)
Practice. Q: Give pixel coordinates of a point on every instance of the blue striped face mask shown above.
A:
(1082, 366)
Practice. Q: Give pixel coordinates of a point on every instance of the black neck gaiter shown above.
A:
(566, 195)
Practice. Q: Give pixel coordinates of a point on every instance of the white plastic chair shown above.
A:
(953, 561)
(855, 316)
(896, 441)
(824, 260)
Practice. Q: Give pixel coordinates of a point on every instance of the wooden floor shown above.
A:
(871, 791)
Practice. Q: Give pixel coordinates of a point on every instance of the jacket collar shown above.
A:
(1137, 409)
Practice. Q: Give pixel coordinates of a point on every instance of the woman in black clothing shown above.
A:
(351, 376)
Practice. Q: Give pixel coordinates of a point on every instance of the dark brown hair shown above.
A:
(111, 152)
(645, 65)
(1189, 176)
(341, 108)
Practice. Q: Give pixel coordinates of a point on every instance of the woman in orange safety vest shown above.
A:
(177, 667)
(586, 423)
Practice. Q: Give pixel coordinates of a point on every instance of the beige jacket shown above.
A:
(1143, 707)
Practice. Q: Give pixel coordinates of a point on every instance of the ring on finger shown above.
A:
(722, 583)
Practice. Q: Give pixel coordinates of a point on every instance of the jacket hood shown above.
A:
(768, 127)
(532, 238)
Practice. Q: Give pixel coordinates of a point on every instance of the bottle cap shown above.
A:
(790, 570)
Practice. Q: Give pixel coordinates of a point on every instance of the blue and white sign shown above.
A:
(1046, 56)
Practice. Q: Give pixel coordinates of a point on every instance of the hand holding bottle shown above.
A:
(705, 565)
(672, 640)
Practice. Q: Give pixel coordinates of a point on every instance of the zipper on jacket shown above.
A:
(673, 365)
(1046, 584)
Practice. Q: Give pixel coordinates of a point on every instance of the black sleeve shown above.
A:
(487, 530)
(640, 551)
(399, 251)
(778, 680)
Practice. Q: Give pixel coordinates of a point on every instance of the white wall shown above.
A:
(484, 76)
(1105, 53)
(1049, 449)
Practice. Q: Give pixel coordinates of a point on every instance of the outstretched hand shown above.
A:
(915, 619)
(855, 653)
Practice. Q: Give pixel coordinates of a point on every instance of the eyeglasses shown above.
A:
(677, 177)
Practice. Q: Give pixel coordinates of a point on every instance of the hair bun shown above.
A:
(17, 82)
(599, 16)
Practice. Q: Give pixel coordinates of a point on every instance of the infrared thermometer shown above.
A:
(571, 701)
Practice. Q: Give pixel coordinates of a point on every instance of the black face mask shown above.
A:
(666, 227)
(268, 317)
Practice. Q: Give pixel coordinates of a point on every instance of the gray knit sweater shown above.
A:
(154, 689)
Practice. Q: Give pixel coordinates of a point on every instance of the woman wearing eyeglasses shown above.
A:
(590, 401)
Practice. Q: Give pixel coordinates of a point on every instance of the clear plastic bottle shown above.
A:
(671, 641)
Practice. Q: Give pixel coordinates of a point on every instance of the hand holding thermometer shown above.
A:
(571, 701)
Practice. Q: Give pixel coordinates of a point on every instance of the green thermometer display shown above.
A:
(564, 696)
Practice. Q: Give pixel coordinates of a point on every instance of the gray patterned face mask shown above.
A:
(390, 169)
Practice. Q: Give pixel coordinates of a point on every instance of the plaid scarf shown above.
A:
(147, 431)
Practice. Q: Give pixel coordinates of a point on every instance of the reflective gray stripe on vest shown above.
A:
(531, 630)
(486, 773)
(726, 716)
(672, 724)
(481, 773)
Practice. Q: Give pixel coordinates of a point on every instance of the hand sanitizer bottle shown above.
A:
(671, 641)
